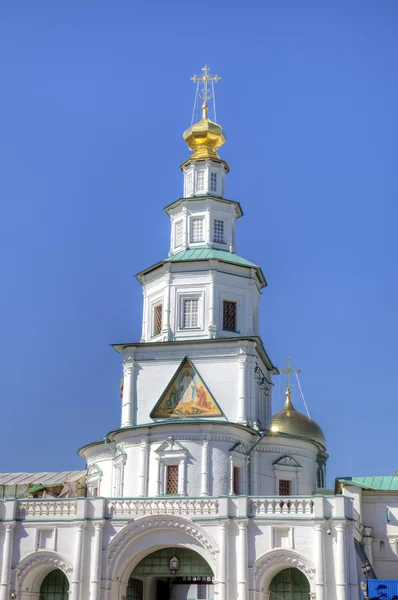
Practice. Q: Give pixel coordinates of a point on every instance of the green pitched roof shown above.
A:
(383, 483)
(208, 254)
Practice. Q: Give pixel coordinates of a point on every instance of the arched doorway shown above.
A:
(55, 586)
(154, 578)
(289, 584)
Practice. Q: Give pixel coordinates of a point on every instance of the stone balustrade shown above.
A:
(235, 507)
(163, 506)
(281, 506)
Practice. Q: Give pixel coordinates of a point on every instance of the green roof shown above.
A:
(206, 253)
(382, 483)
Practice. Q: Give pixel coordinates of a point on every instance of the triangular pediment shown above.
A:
(171, 446)
(287, 461)
(94, 470)
(186, 396)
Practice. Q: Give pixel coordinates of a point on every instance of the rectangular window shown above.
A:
(196, 230)
(213, 182)
(157, 319)
(218, 236)
(285, 487)
(229, 316)
(178, 234)
(201, 181)
(95, 491)
(236, 480)
(172, 479)
(189, 184)
(190, 313)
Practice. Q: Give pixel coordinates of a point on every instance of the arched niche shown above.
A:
(55, 586)
(34, 568)
(271, 563)
(289, 584)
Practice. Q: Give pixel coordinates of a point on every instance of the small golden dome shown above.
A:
(205, 137)
(290, 421)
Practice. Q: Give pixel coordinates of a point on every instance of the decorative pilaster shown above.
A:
(128, 408)
(205, 469)
(96, 562)
(341, 564)
(353, 575)
(223, 561)
(143, 477)
(159, 477)
(166, 329)
(212, 301)
(231, 476)
(75, 592)
(253, 465)
(241, 561)
(319, 554)
(7, 556)
(181, 478)
(242, 365)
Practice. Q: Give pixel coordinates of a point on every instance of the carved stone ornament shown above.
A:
(57, 563)
(137, 528)
(282, 558)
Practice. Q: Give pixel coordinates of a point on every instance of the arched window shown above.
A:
(55, 586)
(290, 584)
(382, 549)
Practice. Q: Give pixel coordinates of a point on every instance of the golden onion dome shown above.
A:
(290, 421)
(205, 137)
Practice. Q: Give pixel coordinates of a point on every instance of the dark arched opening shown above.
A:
(193, 578)
(290, 584)
(55, 586)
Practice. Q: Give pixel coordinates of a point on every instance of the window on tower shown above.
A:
(157, 319)
(285, 487)
(190, 313)
(172, 479)
(236, 480)
(197, 230)
(213, 182)
(189, 185)
(201, 181)
(178, 234)
(218, 234)
(229, 316)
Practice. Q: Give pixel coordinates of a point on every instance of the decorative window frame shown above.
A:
(274, 529)
(203, 169)
(118, 464)
(38, 539)
(217, 175)
(190, 295)
(94, 477)
(172, 452)
(237, 458)
(196, 216)
(213, 225)
(287, 468)
(226, 296)
(179, 221)
(154, 301)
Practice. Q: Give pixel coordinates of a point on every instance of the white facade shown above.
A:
(216, 484)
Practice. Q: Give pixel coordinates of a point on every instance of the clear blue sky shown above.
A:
(94, 98)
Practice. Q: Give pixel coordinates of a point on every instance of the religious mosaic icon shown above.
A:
(186, 396)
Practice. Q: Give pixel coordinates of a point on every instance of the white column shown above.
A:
(231, 476)
(7, 557)
(319, 554)
(241, 561)
(353, 575)
(166, 329)
(242, 389)
(96, 562)
(212, 316)
(77, 562)
(253, 465)
(128, 408)
(181, 478)
(143, 477)
(159, 477)
(341, 566)
(222, 576)
(205, 469)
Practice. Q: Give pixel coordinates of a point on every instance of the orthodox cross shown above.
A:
(288, 370)
(204, 80)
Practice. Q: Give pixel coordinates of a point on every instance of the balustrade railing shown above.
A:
(163, 506)
(284, 506)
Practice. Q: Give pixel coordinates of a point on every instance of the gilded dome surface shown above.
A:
(204, 137)
(290, 421)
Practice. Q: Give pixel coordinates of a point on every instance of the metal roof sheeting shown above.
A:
(206, 253)
(44, 478)
(383, 483)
